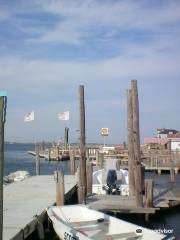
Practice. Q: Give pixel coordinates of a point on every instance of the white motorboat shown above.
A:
(78, 222)
(111, 181)
(16, 176)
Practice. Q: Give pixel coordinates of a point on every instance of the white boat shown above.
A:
(16, 176)
(121, 183)
(78, 222)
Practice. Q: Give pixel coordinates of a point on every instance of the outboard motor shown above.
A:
(111, 181)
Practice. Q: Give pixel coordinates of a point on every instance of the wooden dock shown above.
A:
(115, 203)
(164, 198)
(29, 198)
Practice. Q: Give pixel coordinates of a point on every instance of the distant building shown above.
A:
(175, 135)
(175, 144)
(156, 143)
(163, 132)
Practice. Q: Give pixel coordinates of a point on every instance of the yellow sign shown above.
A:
(105, 131)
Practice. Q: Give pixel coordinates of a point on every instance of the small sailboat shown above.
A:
(78, 222)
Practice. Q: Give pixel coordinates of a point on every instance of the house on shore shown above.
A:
(164, 136)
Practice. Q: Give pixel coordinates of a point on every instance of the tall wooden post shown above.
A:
(89, 178)
(82, 188)
(43, 146)
(130, 144)
(37, 160)
(72, 162)
(136, 140)
(97, 157)
(149, 193)
(59, 176)
(57, 152)
(2, 122)
(66, 137)
(87, 155)
(101, 160)
(172, 175)
(49, 154)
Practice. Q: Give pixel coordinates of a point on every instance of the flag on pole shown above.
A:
(64, 115)
(29, 117)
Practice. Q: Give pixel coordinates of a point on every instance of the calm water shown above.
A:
(17, 158)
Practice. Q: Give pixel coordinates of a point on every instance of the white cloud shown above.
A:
(52, 84)
(83, 18)
(80, 20)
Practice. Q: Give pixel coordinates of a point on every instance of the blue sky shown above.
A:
(49, 47)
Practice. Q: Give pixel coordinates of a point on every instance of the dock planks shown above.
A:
(26, 199)
(115, 203)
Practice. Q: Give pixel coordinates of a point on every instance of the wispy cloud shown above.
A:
(49, 47)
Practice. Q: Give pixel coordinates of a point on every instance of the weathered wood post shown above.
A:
(1, 164)
(66, 137)
(97, 157)
(89, 171)
(87, 155)
(131, 161)
(59, 177)
(3, 98)
(136, 141)
(101, 160)
(43, 146)
(172, 175)
(177, 159)
(148, 196)
(49, 154)
(82, 188)
(57, 152)
(149, 192)
(37, 160)
(72, 162)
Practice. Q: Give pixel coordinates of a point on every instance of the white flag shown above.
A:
(29, 117)
(64, 115)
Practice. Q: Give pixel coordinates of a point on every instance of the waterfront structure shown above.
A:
(163, 132)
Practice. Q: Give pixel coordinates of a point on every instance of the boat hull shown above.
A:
(77, 222)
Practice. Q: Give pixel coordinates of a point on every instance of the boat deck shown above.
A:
(99, 231)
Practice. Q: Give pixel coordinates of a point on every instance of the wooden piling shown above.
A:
(87, 155)
(66, 137)
(59, 176)
(82, 188)
(72, 162)
(89, 171)
(1, 163)
(149, 193)
(37, 160)
(43, 146)
(49, 154)
(101, 160)
(143, 179)
(136, 141)
(130, 143)
(57, 152)
(172, 175)
(97, 158)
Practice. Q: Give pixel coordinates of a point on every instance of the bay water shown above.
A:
(17, 158)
